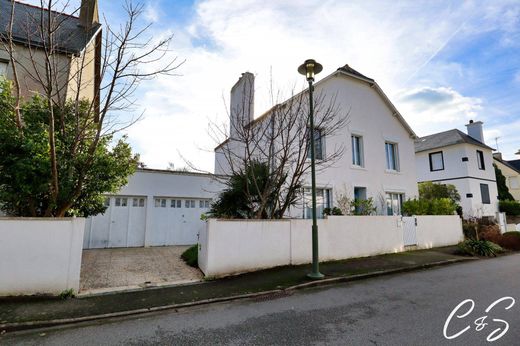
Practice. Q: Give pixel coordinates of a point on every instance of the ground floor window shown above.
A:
(394, 203)
(322, 201)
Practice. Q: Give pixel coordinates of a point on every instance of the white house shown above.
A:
(463, 160)
(379, 160)
(155, 208)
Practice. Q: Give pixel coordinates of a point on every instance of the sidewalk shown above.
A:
(24, 313)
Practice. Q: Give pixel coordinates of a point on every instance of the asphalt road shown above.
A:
(405, 309)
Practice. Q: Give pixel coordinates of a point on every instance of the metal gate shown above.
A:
(410, 231)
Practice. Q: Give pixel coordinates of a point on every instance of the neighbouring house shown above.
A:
(511, 173)
(155, 208)
(378, 161)
(77, 43)
(463, 160)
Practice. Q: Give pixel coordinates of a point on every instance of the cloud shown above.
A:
(406, 46)
(426, 108)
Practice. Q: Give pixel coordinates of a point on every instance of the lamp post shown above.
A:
(309, 69)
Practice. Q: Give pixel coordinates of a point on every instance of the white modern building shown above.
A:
(463, 160)
(155, 208)
(379, 158)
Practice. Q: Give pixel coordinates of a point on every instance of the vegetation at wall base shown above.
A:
(191, 256)
(483, 248)
(509, 207)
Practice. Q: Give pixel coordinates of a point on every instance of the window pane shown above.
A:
(172, 203)
(187, 204)
(206, 204)
(357, 153)
(318, 145)
(141, 202)
(107, 202)
(436, 162)
(201, 204)
(484, 192)
(163, 203)
(124, 202)
(157, 202)
(480, 160)
(192, 202)
(179, 203)
(3, 68)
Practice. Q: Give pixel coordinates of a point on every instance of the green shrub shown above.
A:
(437, 206)
(333, 211)
(509, 207)
(510, 241)
(191, 256)
(483, 248)
(364, 206)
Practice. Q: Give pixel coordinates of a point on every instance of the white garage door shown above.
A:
(122, 224)
(173, 221)
(176, 221)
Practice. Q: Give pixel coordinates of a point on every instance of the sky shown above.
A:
(441, 63)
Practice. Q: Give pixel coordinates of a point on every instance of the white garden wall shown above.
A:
(234, 246)
(40, 256)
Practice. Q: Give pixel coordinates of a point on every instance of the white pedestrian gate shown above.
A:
(409, 230)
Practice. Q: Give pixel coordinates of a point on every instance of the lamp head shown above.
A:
(310, 68)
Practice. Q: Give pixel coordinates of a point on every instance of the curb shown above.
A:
(11, 327)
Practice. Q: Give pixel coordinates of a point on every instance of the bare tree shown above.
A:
(279, 139)
(122, 57)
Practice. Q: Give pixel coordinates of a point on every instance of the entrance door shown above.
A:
(410, 231)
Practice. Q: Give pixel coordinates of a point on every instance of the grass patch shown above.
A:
(191, 256)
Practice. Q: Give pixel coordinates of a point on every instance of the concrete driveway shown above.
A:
(104, 270)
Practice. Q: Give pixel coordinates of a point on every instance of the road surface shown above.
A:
(404, 309)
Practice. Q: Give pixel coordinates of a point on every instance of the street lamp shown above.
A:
(310, 68)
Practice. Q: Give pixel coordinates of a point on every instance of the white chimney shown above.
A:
(475, 130)
(242, 104)
(88, 14)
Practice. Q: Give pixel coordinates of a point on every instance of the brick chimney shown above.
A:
(242, 103)
(475, 130)
(88, 14)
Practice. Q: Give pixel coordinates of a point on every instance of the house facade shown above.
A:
(77, 44)
(463, 160)
(155, 208)
(378, 160)
(511, 173)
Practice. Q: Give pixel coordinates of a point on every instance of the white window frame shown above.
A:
(395, 152)
(358, 158)
(326, 196)
(398, 198)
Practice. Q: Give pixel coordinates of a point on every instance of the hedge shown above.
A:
(509, 207)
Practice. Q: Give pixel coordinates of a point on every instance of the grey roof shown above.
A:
(69, 38)
(444, 139)
(351, 71)
(515, 163)
(508, 164)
